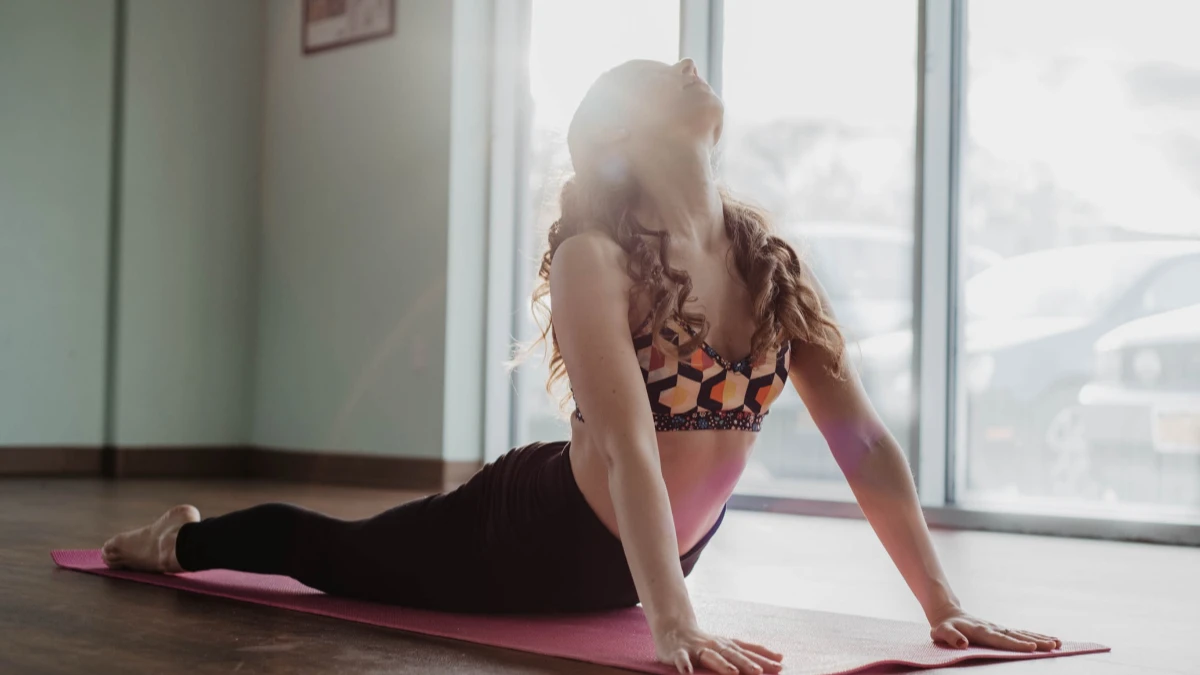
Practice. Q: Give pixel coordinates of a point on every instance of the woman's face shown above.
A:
(670, 99)
(644, 103)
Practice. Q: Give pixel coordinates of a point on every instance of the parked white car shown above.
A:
(1139, 418)
(1146, 393)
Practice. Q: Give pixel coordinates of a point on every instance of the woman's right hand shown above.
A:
(689, 649)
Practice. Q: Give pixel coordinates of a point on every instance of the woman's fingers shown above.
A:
(1044, 643)
(683, 662)
(1044, 638)
(760, 650)
(741, 661)
(963, 630)
(1009, 641)
(768, 665)
(990, 635)
(715, 662)
(950, 635)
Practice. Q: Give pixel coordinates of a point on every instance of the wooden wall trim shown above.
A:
(327, 468)
(181, 462)
(49, 461)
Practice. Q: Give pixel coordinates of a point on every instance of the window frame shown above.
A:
(939, 441)
(512, 116)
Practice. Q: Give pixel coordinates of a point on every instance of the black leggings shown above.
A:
(518, 537)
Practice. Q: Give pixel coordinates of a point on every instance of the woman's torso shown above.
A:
(700, 467)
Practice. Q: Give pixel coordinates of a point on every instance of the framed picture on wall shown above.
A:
(329, 24)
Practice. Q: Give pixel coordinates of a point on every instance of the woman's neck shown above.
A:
(679, 195)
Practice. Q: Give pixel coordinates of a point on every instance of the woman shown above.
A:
(647, 247)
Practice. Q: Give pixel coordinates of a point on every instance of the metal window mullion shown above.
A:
(700, 37)
(716, 46)
(507, 210)
(957, 426)
(935, 257)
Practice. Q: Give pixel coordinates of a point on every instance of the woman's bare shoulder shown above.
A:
(589, 257)
(591, 268)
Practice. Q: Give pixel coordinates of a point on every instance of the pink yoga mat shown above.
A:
(814, 643)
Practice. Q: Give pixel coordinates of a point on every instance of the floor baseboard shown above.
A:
(325, 468)
(182, 462)
(49, 461)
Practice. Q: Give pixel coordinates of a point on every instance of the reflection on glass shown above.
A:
(1080, 364)
(572, 42)
(1035, 285)
(820, 101)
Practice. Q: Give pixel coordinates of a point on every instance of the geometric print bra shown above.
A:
(703, 390)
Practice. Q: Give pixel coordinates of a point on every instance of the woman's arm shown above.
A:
(878, 473)
(589, 294)
(589, 300)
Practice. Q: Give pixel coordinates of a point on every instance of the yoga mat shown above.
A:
(813, 643)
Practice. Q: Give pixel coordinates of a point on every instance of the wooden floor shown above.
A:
(1143, 600)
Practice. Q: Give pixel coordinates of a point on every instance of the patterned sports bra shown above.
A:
(703, 390)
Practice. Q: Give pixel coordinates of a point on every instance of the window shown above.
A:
(820, 110)
(571, 43)
(1045, 357)
(1081, 166)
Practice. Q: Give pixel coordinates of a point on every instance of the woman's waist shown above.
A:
(699, 479)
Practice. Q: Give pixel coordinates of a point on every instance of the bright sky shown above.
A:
(1082, 124)
(854, 62)
(574, 41)
(778, 55)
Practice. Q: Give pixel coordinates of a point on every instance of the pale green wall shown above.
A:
(352, 288)
(302, 239)
(189, 212)
(55, 124)
(189, 225)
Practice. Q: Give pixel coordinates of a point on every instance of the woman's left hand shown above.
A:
(959, 629)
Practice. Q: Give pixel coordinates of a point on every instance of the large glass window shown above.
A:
(1061, 165)
(1079, 363)
(820, 113)
(571, 43)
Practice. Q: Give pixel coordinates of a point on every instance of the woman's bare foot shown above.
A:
(151, 548)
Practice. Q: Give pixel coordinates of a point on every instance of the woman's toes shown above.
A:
(113, 552)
